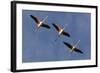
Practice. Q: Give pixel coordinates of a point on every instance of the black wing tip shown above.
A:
(69, 35)
(67, 44)
(81, 52)
(31, 15)
(64, 42)
(48, 27)
(53, 24)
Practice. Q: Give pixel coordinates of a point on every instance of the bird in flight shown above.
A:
(61, 30)
(40, 23)
(73, 48)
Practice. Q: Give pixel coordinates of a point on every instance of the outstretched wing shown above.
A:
(68, 45)
(46, 26)
(66, 34)
(35, 19)
(56, 27)
(77, 50)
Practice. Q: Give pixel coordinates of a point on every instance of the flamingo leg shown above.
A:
(36, 30)
(57, 38)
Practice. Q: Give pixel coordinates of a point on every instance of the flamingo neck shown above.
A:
(45, 18)
(77, 43)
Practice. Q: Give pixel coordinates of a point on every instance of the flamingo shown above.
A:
(40, 23)
(73, 48)
(61, 31)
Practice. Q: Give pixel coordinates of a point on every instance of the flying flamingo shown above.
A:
(73, 48)
(40, 23)
(61, 30)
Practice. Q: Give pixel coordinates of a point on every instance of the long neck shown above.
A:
(77, 43)
(65, 26)
(44, 19)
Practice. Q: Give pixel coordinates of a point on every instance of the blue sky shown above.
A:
(40, 46)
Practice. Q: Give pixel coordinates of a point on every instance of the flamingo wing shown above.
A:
(46, 26)
(77, 50)
(56, 27)
(68, 45)
(66, 34)
(35, 19)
